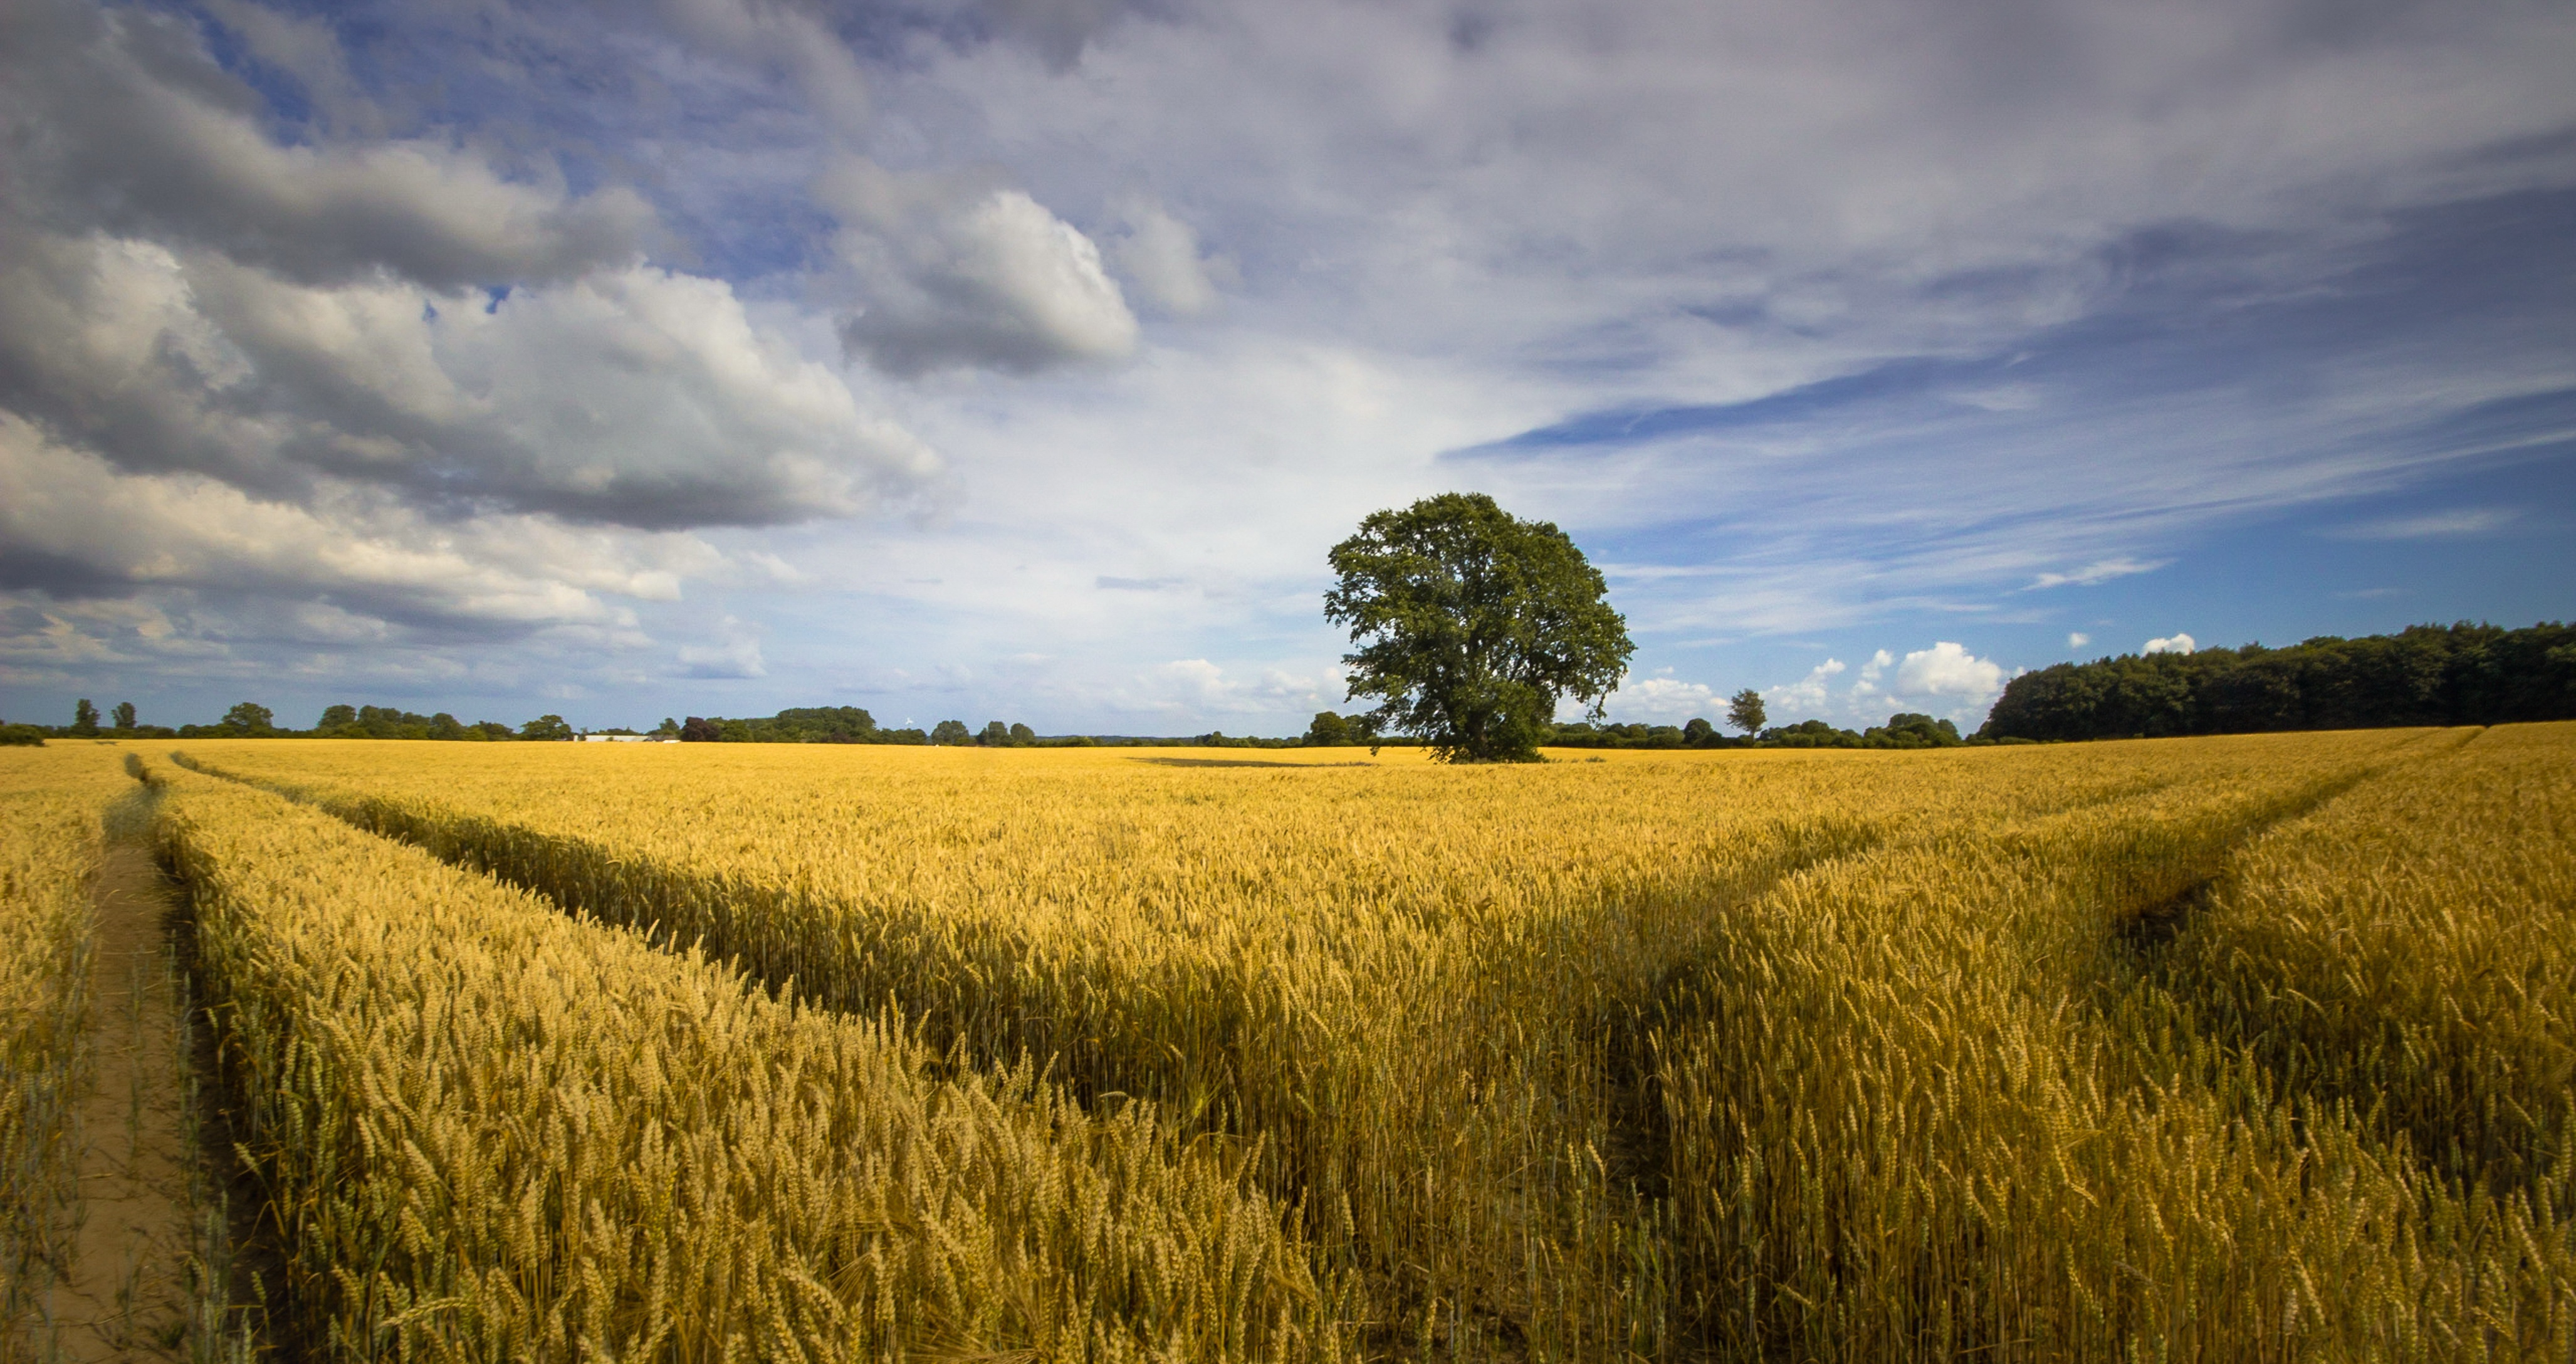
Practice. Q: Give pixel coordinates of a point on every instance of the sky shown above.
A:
(1025, 359)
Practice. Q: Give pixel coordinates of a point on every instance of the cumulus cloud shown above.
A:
(1950, 671)
(1159, 255)
(1663, 700)
(1196, 686)
(73, 526)
(118, 122)
(632, 396)
(955, 270)
(1807, 695)
(2077, 639)
(2177, 643)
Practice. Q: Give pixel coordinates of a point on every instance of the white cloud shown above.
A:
(75, 526)
(1159, 255)
(634, 396)
(2465, 521)
(1807, 695)
(954, 270)
(2100, 571)
(736, 655)
(2077, 639)
(2177, 643)
(1948, 670)
(1658, 700)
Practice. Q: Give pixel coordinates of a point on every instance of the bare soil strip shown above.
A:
(126, 1294)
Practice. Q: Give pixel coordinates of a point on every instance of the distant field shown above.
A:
(2220, 1048)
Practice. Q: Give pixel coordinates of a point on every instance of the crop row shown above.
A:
(490, 1130)
(1594, 1057)
(51, 805)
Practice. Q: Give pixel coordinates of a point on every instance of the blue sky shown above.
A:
(1023, 359)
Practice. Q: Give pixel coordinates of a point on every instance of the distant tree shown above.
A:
(1905, 729)
(700, 730)
(84, 719)
(546, 727)
(995, 735)
(1022, 736)
(1471, 623)
(250, 718)
(669, 726)
(445, 726)
(491, 729)
(21, 736)
(124, 713)
(1328, 730)
(1745, 711)
(336, 717)
(951, 732)
(1699, 732)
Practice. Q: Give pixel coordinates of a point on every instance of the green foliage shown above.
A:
(1471, 623)
(84, 719)
(951, 732)
(2425, 675)
(1022, 736)
(124, 715)
(21, 736)
(248, 718)
(1330, 730)
(1745, 711)
(546, 727)
(795, 725)
(995, 735)
(1810, 734)
(1908, 730)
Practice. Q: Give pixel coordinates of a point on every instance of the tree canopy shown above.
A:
(1471, 624)
(2425, 675)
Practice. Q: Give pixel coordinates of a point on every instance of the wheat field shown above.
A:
(53, 802)
(2242, 1048)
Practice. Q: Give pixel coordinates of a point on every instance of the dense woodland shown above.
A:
(2426, 675)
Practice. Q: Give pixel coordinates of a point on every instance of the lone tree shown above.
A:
(1471, 623)
(1744, 711)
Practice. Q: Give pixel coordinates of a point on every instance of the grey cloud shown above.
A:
(956, 270)
(1160, 256)
(118, 122)
(93, 526)
(633, 397)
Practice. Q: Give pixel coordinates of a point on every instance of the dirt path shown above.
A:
(126, 1296)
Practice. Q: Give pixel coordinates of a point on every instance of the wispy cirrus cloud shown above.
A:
(2099, 571)
(2429, 525)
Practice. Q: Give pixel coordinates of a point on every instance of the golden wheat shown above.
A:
(491, 1131)
(1593, 1059)
(51, 802)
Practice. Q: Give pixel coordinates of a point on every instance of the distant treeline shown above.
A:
(851, 725)
(251, 720)
(1904, 729)
(2425, 675)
